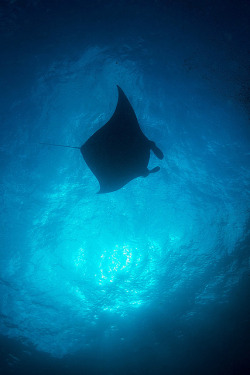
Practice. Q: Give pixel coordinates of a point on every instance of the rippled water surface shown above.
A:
(152, 278)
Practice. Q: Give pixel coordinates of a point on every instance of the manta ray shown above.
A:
(119, 151)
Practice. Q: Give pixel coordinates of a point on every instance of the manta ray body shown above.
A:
(119, 151)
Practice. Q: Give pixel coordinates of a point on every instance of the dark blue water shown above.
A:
(153, 278)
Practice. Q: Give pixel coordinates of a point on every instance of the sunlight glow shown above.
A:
(117, 277)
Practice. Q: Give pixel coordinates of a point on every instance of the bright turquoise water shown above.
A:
(151, 278)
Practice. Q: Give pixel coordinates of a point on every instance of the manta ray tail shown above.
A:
(52, 144)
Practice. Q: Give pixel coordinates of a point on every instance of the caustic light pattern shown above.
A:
(148, 265)
(119, 277)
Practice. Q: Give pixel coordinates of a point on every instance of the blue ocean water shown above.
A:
(153, 278)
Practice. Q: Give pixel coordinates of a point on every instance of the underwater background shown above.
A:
(155, 277)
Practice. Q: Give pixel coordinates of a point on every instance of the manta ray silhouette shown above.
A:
(119, 151)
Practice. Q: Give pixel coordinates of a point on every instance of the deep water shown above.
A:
(153, 278)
